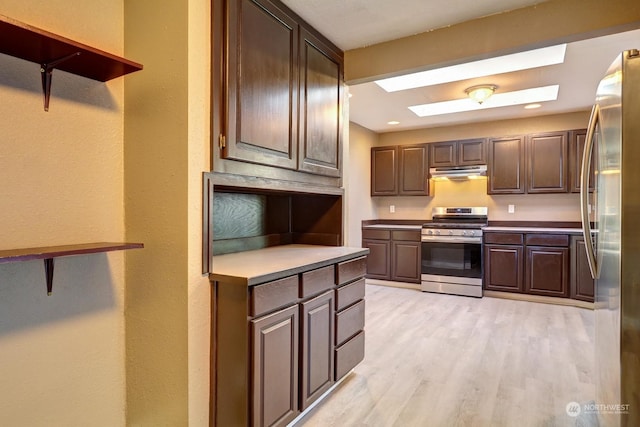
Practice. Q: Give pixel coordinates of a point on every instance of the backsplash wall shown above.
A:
(529, 207)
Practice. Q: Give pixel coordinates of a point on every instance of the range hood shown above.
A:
(458, 172)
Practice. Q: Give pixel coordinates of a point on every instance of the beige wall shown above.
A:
(550, 207)
(62, 356)
(166, 140)
(358, 175)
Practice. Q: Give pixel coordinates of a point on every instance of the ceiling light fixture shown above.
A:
(485, 67)
(505, 99)
(393, 122)
(532, 106)
(480, 93)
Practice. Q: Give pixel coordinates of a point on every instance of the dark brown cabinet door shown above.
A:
(275, 368)
(406, 261)
(316, 351)
(384, 171)
(413, 170)
(582, 284)
(547, 163)
(472, 152)
(577, 139)
(547, 271)
(503, 268)
(506, 166)
(262, 85)
(443, 154)
(379, 259)
(320, 107)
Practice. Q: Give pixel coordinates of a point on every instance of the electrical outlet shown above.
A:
(392, 208)
(512, 208)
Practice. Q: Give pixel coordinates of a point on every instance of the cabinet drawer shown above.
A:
(504, 238)
(349, 322)
(548, 239)
(351, 270)
(347, 295)
(349, 355)
(368, 233)
(315, 281)
(272, 295)
(410, 235)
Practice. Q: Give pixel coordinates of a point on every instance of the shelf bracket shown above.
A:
(48, 271)
(46, 72)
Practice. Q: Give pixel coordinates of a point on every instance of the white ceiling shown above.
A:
(352, 24)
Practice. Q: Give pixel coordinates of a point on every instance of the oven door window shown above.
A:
(452, 259)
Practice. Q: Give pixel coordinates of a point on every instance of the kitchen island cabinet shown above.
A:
(276, 315)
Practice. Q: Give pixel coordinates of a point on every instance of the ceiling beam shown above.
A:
(545, 24)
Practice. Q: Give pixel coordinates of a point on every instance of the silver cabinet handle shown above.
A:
(584, 191)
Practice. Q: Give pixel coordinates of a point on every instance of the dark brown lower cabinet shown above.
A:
(582, 285)
(275, 368)
(503, 267)
(394, 254)
(406, 261)
(547, 271)
(274, 344)
(316, 350)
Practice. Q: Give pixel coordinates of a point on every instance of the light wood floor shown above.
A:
(444, 360)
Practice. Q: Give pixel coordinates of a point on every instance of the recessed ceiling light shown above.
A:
(485, 67)
(532, 106)
(393, 122)
(526, 96)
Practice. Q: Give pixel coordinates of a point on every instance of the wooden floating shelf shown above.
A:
(53, 51)
(48, 253)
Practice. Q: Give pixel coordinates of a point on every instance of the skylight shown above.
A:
(526, 96)
(486, 67)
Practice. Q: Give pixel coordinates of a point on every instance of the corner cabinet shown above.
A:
(279, 89)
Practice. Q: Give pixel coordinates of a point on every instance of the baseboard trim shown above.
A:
(538, 298)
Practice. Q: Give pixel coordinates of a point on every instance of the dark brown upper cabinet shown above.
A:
(280, 92)
(320, 110)
(400, 171)
(506, 165)
(547, 163)
(413, 171)
(262, 78)
(577, 139)
(458, 153)
(384, 171)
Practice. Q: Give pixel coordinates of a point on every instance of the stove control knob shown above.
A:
(450, 232)
(472, 233)
(430, 232)
(438, 232)
(464, 232)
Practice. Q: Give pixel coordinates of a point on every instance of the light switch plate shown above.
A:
(392, 208)
(512, 208)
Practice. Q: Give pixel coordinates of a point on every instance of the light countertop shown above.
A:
(263, 265)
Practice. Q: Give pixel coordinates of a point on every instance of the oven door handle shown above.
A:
(438, 239)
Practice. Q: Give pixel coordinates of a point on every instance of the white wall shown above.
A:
(62, 356)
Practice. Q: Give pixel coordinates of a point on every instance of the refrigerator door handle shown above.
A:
(584, 191)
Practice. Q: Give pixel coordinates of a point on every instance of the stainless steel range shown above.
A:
(452, 251)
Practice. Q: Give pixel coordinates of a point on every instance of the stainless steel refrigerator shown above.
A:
(611, 224)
